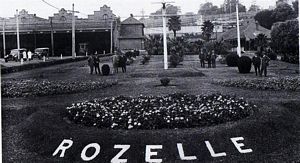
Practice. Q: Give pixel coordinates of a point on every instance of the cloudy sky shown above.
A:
(122, 8)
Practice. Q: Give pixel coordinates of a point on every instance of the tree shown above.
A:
(261, 41)
(295, 6)
(254, 8)
(283, 12)
(207, 29)
(153, 44)
(174, 24)
(264, 18)
(284, 39)
(208, 9)
(229, 6)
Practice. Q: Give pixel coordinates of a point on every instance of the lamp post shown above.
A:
(165, 37)
(18, 35)
(238, 30)
(73, 32)
(3, 33)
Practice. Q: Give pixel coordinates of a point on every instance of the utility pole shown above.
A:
(52, 38)
(73, 32)
(3, 33)
(238, 30)
(18, 36)
(165, 36)
(111, 36)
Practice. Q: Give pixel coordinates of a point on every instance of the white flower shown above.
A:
(130, 127)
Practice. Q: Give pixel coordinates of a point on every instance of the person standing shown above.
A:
(96, 64)
(123, 60)
(24, 55)
(29, 55)
(256, 60)
(264, 64)
(202, 58)
(91, 63)
(208, 60)
(213, 59)
(115, 61)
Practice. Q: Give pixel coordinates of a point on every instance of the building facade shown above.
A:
(131, 34)
(96, 33)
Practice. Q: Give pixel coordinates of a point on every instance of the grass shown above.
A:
(33, 127)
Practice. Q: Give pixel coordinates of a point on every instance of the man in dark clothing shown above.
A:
(256, 60)
(96, 64)
(202, 58)
(209, 60)
(264, 64)
(213, 59)
(123, 60)
(91, 63)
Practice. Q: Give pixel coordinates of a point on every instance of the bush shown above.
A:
(244, 64)
(232, 60)
(174, 59)
(165, 81)
(272, 56)
(105, 70)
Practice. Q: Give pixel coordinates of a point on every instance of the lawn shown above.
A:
(34, 127)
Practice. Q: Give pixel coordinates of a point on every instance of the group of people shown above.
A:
(118, 60)
(208, 56)
(260, 63)
(26, 56)
(94, 63)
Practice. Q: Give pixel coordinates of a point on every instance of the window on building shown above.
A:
(105, 16)
(63, 18)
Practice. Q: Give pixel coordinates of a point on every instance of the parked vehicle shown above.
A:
(13, 55)
(40, 53)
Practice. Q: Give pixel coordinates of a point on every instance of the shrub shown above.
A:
(174, 59)
(105, 69)
(232, 60)
(272, 56)
(165, 81)
(244, 64)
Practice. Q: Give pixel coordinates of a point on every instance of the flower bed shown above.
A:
(151, 112)
(26, 88)
(287, 83)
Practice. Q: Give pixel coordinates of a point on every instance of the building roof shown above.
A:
(248, 32)
(132, 20)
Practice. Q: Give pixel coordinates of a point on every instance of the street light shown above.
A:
(238, 30)
(3, 36)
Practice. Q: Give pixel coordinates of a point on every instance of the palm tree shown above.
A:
(261, 41)
(174, 24)
(207, 29)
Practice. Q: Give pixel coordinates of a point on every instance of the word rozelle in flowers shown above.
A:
(151, 112)
(151, 151)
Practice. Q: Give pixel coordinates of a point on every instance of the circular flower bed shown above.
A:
(151, 112)
(287, 83)
(25, 88)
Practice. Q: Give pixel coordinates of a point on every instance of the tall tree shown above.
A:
(229, 6)
(207, 29)
(208, 9)
(261, 40)
(264, 18)
(283, 12)
(254, 8)
(296, 8)
(174, 24)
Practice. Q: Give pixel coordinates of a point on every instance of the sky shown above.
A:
(122, 8)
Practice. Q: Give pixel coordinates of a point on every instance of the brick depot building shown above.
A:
(98, 32)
